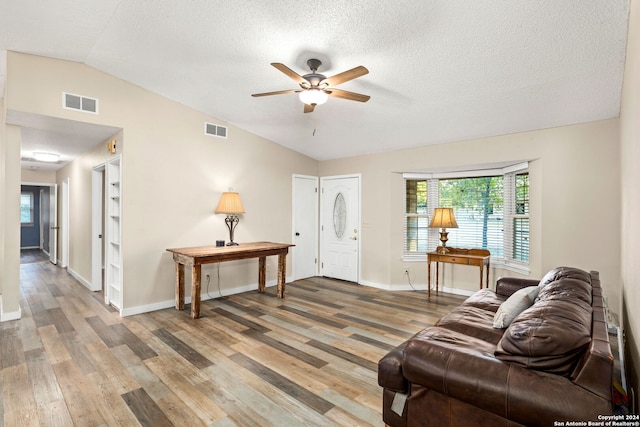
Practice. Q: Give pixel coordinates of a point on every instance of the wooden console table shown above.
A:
(477, 257)
(196, 256)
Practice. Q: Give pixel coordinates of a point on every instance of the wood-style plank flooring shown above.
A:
(250, 360)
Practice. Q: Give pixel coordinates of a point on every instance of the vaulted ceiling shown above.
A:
(439, 70)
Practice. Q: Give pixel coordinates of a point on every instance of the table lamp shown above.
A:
(443, 218)
(231, 205)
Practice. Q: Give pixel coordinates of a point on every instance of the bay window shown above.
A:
(491, 208)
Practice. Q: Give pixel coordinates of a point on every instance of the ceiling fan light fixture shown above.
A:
(313, 96)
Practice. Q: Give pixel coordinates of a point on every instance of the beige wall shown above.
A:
(40, 177)
(630, 136)
(10, 221)
(574, 191)
(172, 176)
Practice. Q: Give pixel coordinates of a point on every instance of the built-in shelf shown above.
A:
(113, 230)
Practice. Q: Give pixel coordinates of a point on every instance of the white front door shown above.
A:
(340, 227)
(305, 226)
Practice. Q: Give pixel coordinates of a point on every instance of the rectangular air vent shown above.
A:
(215, 130)
(79, 103)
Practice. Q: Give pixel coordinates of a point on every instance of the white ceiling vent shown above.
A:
(215, 130)
(79, 103)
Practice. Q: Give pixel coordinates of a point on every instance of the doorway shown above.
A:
(38, 222)
(340, 227)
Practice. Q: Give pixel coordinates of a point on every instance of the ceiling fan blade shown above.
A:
(289, 72)
(338, 93)
(309, 108)
(279, 92)
(346, 76)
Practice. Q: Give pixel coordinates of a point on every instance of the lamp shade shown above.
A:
(443, 218)
(230, 203)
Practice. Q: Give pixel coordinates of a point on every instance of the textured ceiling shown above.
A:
(440, 71)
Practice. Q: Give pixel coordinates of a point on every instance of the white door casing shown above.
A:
(53, 223)
(305, 226)
(340, 227)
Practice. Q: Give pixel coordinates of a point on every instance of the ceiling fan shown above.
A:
(315, 88)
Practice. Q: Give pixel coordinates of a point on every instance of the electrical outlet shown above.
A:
(406, 270)
(207, 277)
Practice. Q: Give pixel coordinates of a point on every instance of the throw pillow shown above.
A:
(518, 302)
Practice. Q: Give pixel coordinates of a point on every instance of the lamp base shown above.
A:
(443, 239)
(443, 250)
(231, 221)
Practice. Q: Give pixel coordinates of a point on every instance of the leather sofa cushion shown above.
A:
(549, 336)
(568, 289)
(485, 299)
(471, 321)
(558, 273)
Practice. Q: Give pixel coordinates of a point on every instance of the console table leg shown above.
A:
(195, 291)
(487, 274)
(179, 286)
(429, 279)
(262, 273)
(282, 273)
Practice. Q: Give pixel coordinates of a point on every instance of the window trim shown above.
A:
(512, 169)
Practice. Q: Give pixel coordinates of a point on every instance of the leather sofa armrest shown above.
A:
(390, 374)
(508, 285)
(464, 368)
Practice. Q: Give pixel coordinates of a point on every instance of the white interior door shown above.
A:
(97, 228)
(305, 226)
(64, 214)
(340, 229)
(53, 223)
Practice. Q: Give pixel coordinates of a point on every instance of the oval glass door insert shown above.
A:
(339, 215)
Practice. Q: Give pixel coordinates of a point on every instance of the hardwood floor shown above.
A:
(250, 360)
(32, 255)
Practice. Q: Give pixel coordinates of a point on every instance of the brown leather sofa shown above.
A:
(552, 363)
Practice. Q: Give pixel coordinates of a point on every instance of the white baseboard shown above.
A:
(12, 315)
(417, 287)
(203, 297)
(80, 279)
